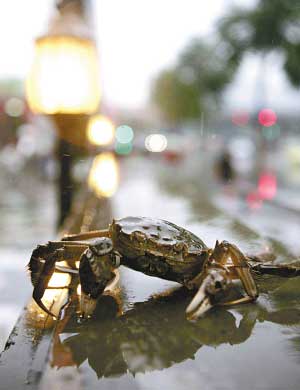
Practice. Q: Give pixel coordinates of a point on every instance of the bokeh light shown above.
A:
(240, 118)
(271, 133)
(267, 186)
(100, 130)
(14, 107)
(156, 143)
(254, 200)
(104, 175)
(267, 117)
(293, 153)
(122, 148)
(124, 134)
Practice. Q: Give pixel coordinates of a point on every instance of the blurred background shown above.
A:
(154, 105)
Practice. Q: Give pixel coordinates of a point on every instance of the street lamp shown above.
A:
(64, 76)
(63, 82)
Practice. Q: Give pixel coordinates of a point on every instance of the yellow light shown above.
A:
(64, 76)
(156, 143)
(57, 280)
(100, 131)
(104, 175)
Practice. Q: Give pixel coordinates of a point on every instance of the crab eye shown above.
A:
(218, 285)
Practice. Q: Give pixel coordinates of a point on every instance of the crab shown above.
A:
(156, 248)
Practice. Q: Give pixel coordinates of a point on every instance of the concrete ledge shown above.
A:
(24, 359)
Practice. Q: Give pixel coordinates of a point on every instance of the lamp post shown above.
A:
(64, 84)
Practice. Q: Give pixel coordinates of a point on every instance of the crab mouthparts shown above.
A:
(87, 305)
(200, 304)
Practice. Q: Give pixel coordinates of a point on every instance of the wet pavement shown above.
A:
(140, 339)
(27, 218)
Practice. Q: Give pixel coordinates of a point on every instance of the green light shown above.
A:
(124, 134)
(271, 133)
(122, 148)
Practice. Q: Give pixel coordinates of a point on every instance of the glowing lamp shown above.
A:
(104, 175)
(64, 76)
(101, 130)
(156, 143)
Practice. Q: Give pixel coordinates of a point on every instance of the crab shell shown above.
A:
(158, 248)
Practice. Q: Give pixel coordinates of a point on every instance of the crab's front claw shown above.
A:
(88, 303)
(213, 285)
(97, 273)
(41, 272)
(200, 304)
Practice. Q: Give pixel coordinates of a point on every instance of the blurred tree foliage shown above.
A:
(271, 25)
(194, 84)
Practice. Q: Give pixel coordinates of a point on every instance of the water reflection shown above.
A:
(155, 335)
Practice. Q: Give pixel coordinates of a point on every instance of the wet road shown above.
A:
(27, 218)
(151, 345)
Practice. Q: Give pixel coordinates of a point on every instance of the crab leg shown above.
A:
(87, 235)
(42, 252)
(243, 271)
(42, 265)
(283, 270)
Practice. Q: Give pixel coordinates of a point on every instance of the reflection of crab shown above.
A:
(156, 248)
(144, 338)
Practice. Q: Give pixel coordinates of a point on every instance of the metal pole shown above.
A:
(65, 182)
(65, 149)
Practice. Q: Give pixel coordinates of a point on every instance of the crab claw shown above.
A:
(87, 305)
(214, 284)
(200, 304)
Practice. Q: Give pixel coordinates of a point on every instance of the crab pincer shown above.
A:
(226, 264)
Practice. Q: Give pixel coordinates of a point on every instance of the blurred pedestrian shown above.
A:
(224, 168)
